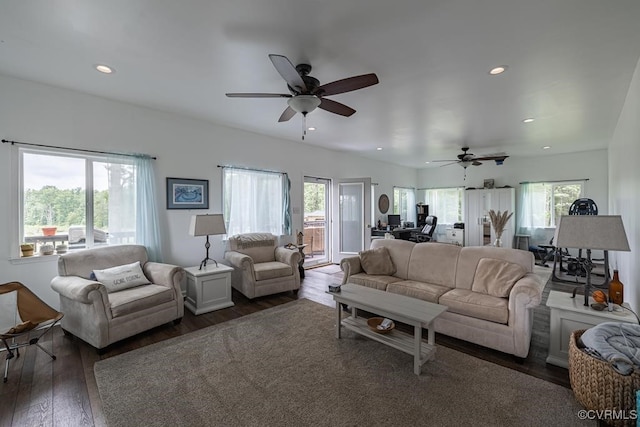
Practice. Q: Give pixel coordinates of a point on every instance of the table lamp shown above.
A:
(207, 225)
(602, 232)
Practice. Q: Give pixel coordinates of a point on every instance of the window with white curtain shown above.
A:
(542, 204)
(447, 204)
(404, 203)
(255, 201)
(76, 200)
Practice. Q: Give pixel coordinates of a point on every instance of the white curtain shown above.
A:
(147, 222)
(254, 201)
(533, 217)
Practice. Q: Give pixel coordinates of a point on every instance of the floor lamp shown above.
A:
(601, 232)
(207, 225)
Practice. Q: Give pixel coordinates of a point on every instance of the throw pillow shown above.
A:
(496, 277)
(121, 277)
(377, 261)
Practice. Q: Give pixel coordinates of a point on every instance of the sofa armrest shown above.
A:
(349, 266)
(164, 274)
(527, 292)
(77, 288)
(288, 256)
(239, 260)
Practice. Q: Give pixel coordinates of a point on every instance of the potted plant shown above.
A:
(26, 249)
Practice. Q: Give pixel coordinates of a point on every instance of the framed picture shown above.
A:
(488, 183)
(183, 193)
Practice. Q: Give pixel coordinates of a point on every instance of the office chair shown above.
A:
(426, 234)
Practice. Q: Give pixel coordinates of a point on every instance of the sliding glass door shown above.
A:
(316, 220)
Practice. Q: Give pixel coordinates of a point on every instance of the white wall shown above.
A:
(624, 180)
(185, 147)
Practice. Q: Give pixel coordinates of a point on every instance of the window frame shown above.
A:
(282, 227)
(442, 221)
(18, 193)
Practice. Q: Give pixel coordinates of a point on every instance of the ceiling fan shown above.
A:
(467, 159)
(306, 93)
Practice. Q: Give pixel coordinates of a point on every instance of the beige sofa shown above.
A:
(489, 292)
(102, 316)
(260, 266)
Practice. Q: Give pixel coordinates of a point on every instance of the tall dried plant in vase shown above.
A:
(498, 222)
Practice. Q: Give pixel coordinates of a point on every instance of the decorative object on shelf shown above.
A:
(300, 238)
(183, 193)
(601, 232)
(489, 183)
(599, 297)
(207, 225)
(616, 289)
(61, 249)
(498, 222)
(26, 249)
(383, 203)
(46, 250)
(49, 231)
(377, 324)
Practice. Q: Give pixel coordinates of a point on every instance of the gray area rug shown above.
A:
(283, 366)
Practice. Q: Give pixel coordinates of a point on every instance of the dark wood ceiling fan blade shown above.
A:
(452, 163)
(335, 107)
(288, 72)
(436, 161)
(287, 114)
(347, 85)
(258, 95)
(490, 158)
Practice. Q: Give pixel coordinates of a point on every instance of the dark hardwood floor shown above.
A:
(42, 392)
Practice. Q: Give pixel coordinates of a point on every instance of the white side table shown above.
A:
(568, 315)
(208, 289)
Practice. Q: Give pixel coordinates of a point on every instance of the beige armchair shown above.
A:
(260, 266)
(103, 314)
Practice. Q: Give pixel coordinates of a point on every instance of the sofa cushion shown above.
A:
(434, 263)
(139, 298)
(496, 277)
(420, 290)
(271, 270)
(126, 276)
(475, 304)
(377, 261)
(373, 281)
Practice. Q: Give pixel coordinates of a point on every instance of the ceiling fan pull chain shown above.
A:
(304, 125)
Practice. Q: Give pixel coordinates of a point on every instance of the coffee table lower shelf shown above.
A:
(397, 339)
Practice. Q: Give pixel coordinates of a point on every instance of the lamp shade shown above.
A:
(207, 225)
(604, 232)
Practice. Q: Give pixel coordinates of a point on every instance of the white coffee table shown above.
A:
(412, 311)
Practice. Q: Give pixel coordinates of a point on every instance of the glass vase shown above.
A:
(498, 242)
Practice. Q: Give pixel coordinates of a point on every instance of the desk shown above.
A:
(398, 233)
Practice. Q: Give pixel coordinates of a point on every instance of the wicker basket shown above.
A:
(597, 386)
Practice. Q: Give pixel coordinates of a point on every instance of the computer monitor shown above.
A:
(393, 220)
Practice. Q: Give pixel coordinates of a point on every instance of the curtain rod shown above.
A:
(441, 188)
(250, 169)
(562, 180)
(4, 141)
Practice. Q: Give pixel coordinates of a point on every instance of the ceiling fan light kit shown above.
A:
(304, 104)
(306, 92)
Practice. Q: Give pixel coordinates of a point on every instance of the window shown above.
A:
(256, 201)
(404, 203)
(542, 204)
(446, 204)
(76, 200)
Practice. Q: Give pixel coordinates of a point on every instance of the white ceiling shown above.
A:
(570, 63)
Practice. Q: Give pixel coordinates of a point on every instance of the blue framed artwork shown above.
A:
(183, 193)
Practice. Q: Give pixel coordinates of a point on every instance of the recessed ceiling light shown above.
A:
(311, 128)
(498, 70)
(528, 120)
(427, 162)
(379, 148)
(546, 147)
(104, 69)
